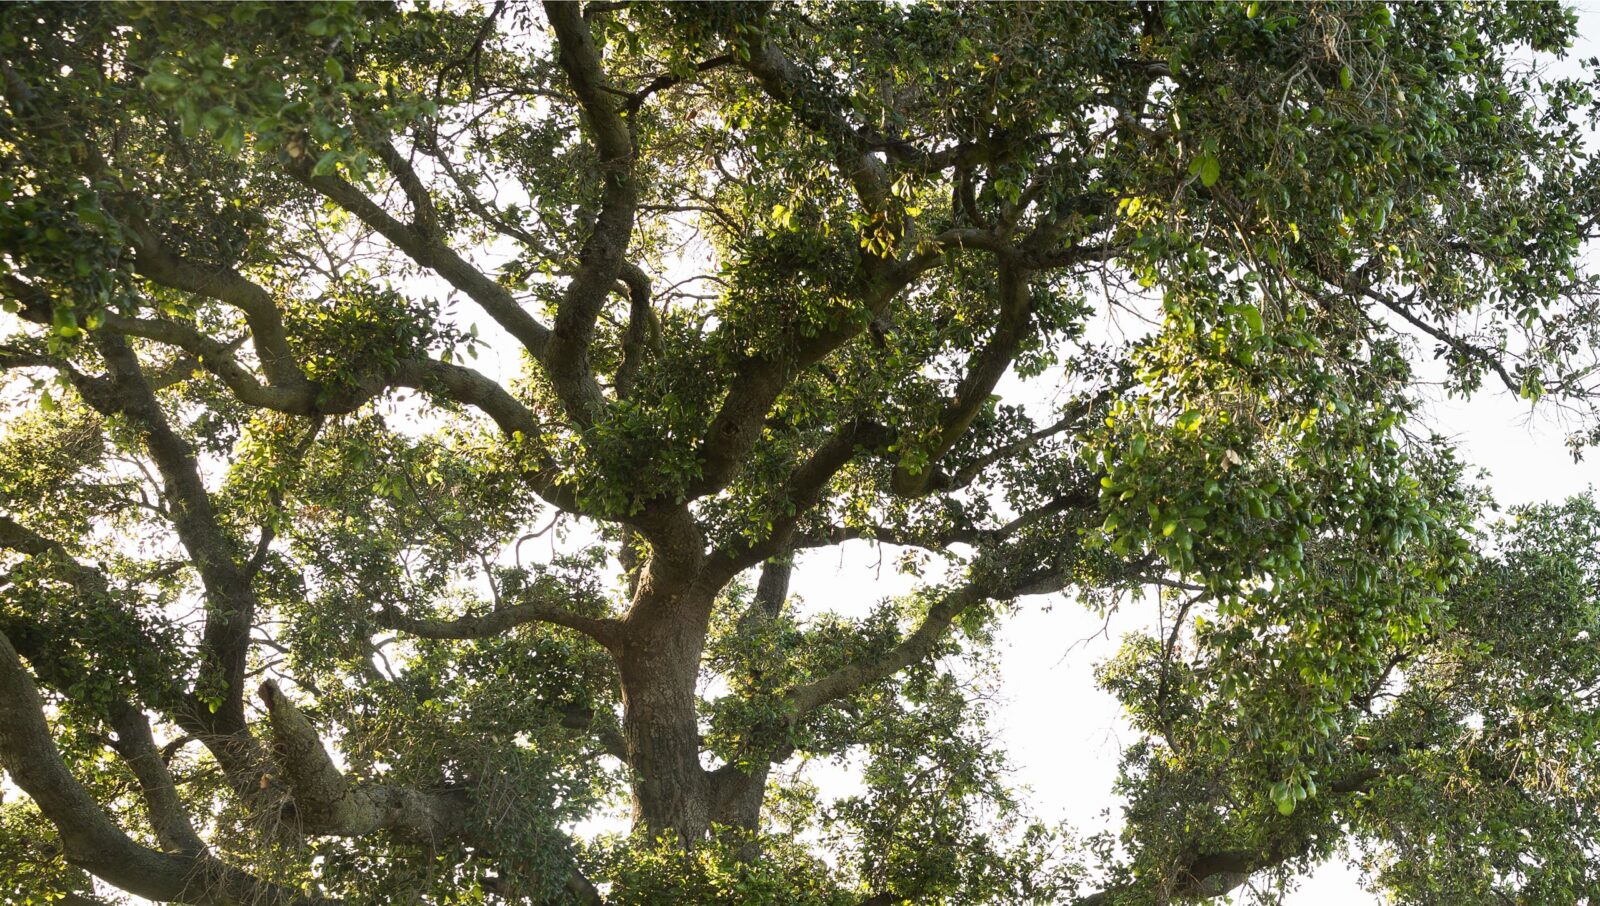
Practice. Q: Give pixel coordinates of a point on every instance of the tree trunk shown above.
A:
(659, 664)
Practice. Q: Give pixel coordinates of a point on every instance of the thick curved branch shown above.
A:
(328, 803)
(984, 371)
(772, 588)
(758, 381)
(602, 254)
(920, 643)
(450, 381)
(218, 359)
(516, 421)
(644, 331)
(604, 630)
(226, 636)
(89, 838)
(168, 817)
(791, 86)
(298, 397)
(424, 214)
(155, 262)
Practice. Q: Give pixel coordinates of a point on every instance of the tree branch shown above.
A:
(155, 262)
(605, 630)
(516, 421)
(424, 216)
(802, 490)
(89, 839)
(168, 817)
(663, 82)
(786, 83)
(1073, 416)
(984, 371)
(226, 636)
(602, 254)
(919, 644)
(489, 295)
(328, 803)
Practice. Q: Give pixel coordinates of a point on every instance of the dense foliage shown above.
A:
(413, 416)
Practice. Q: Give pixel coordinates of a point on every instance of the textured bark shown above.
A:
(659, 664)
(137, 747)
(740, 795)
(327, 802)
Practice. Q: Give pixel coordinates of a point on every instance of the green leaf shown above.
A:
(162, 82)
(1252, 318)
(326, 164)
(232, 139)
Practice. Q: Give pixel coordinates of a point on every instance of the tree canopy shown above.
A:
(414, 414)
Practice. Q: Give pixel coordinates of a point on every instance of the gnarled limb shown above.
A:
(89, 838)
(607, 243)
(326, 802)
(604, 630)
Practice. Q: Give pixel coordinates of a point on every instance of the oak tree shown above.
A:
(414, 416)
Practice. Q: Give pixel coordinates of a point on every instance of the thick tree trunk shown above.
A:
(659, 665)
